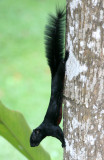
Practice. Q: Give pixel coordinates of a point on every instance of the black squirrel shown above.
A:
(54, 41)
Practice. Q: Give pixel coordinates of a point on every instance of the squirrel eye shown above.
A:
(37, 131)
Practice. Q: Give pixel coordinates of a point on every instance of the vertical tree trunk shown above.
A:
(84, 88)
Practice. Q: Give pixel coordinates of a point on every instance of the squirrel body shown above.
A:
(54, 40)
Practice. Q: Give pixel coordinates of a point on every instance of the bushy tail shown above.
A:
(54, 40)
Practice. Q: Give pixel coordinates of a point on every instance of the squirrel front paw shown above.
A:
(63, 145)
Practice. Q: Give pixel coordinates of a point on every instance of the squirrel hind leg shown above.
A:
(66, 55)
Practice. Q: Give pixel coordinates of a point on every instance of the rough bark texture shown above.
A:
(84, 88)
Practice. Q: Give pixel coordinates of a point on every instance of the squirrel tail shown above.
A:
(54, 40)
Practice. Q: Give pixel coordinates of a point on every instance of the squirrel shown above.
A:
(54, 42)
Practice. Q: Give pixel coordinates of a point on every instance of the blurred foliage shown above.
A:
(14, 128)
(24, 73)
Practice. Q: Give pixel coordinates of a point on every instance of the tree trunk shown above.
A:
(84, 86)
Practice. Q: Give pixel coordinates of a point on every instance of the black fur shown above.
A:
(54, 40)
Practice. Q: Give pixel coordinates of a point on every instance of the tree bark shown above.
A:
(84, 81)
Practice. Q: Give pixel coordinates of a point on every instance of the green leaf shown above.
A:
(14, 128)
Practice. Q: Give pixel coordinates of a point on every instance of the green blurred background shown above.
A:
(24, 74)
